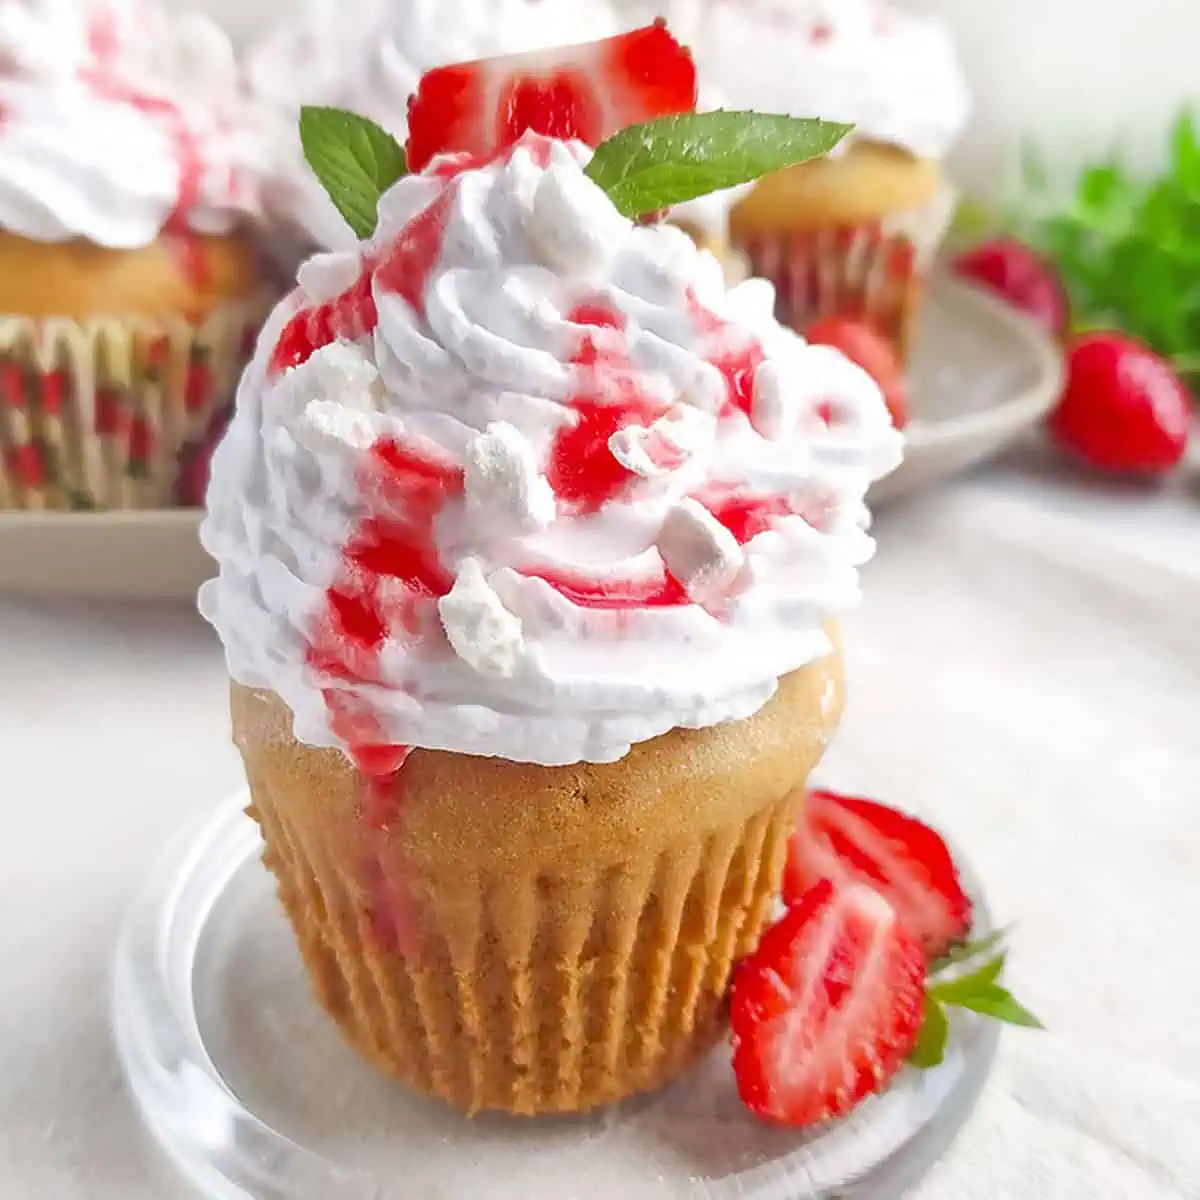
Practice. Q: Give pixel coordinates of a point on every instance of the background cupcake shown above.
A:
(127, 274)
(852, 234)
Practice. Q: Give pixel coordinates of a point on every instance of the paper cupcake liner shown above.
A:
(559, 1008)
(874, 271)
(101, 414)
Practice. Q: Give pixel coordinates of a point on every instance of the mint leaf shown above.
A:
(997, 1002)
(649, 167)
(1127, 247)
(953, 990)
(1185, 153)
(355, 160)
(969, 950)
(930, 1050)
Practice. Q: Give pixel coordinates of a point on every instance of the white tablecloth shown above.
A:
(1026, 670)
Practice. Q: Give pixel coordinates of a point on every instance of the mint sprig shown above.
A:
(661, 163)
(355, 160)
(642, 169)
(1127, 246)
(980, 992)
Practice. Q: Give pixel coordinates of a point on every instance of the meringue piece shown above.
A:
(573, 223)
(772, 411)
(502, 478)
(699, 551)
(666, 446)
(482, 632)
(325, 276)
(328, 426)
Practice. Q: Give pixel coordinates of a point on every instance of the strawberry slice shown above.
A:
(587, 92)
(828, 1007)
(847, 839)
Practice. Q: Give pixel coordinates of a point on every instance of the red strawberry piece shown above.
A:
(828, 1007)
(1022, 277)
(851, 840)
(587, 92)
(1124, 408)
(864, 345)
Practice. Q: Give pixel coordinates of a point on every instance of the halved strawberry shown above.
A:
(828, 1007)
(848, 839)
(587, 92)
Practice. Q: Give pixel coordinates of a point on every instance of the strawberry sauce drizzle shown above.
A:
(736, 362)
(391, 575)
(582, 470)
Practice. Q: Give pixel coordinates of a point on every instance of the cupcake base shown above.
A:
(533, 939)
(248, 1085)
(612, 990)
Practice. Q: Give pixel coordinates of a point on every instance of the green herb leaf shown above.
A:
(1185, 147)
(649, 167)
(355, 160)
(969, 950)
(980, 992)
(998, 1002)
(968, 985)
(1127, 246)
(930, 1050)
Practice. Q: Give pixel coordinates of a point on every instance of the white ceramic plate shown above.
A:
(982, 374)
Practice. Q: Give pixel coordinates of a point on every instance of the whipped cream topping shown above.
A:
(520, 477)
(896, 76)
(369, 57)
(116, 121)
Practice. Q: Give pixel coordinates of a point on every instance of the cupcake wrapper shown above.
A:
(871, 271)
(553, 1007)
(101, 414)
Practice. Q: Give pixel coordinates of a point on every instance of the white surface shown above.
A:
(1027, 670)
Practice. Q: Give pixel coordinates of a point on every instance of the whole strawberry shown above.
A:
(866, 347)
(1124, 408)
(1022, 277)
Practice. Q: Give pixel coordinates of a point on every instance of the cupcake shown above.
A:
(853, 234)
(532, 537)
(127, 276)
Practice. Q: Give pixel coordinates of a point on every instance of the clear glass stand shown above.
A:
(250, 1089)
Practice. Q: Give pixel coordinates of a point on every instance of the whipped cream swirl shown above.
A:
(520, 477)
(896, 76)
(369, 57)
(116, 121)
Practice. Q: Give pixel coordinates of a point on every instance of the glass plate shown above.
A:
(250, 1089)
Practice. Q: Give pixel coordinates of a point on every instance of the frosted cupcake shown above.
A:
(531, 535)
(853, 234)
(127, 279)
